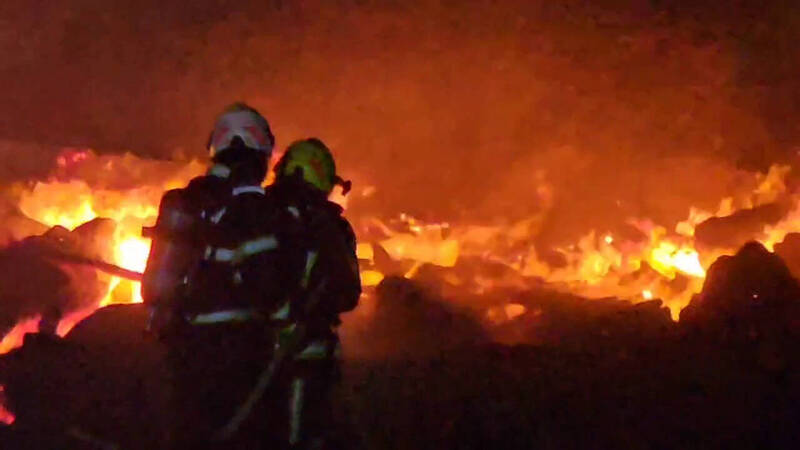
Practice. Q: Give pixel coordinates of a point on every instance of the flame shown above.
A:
(75, 203)
(130, 253)
(67, 323)
(423, 243)
(596, 265)
(514, 310)
(669, 258)
(365, 251)
(13, 338)
(69, 202)
(664, 264)
(6, 416)
(371, 278)
(508, 312)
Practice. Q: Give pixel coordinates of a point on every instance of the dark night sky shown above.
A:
(477, 95)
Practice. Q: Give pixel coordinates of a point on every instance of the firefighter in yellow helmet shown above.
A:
(330, 285)
(293, 263)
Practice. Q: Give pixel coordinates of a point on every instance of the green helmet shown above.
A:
(315, 161)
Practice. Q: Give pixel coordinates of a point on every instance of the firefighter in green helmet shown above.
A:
(330, 285)
(293, 253)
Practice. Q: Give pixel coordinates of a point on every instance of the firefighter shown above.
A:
(185, 215)
(213, 345)
(287, 261)
(330, 285)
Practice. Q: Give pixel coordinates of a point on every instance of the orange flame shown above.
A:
(13, 338)
(74, 203)
(597, 264)
(6, 416)
(594, 266)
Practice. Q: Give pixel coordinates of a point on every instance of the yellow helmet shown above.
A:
(315, 161)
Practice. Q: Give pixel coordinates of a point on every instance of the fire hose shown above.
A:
(100, 265)
(265, 379)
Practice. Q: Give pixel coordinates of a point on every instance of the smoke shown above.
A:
(452, 110)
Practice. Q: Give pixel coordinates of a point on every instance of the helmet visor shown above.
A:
(243, 125)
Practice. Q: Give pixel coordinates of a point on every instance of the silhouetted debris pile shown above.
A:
(676, 395)
(420, 372)
(408, 321)
(789, 251)
(750, 294)
(33, 282)
(103, 381)
(736, 229)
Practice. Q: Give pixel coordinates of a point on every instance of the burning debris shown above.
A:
(93, 247)
(530, 228)
(38, 281)
(432, 290)
(641, 262)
